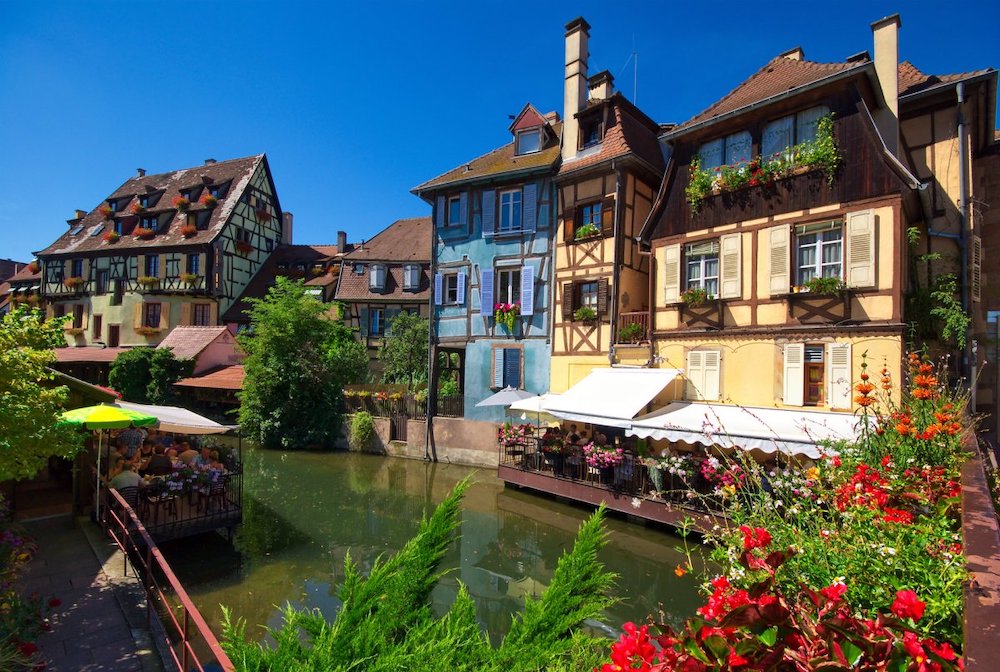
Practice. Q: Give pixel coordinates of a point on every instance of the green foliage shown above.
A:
(298, 360)
(147, 375)
(824, 285)
(631, 333)
(30, 403)
(448, 387)
(404, 350)
(386, 621)
(695, 296)
(947, 309)
(584, 314)
(362, 431)
(587, 231)
(699, 186)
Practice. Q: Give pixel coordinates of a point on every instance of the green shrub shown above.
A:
(362, 431)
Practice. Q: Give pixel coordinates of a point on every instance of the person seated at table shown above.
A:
(600, 438)
(127, 478)
(132, 438)
(186, 454)
(572, 437)
(143, 455)
(115, 451)
(158, 465)
(215, 462)
(116, 466)
(165, 440)
(583, 440)
(203, 460)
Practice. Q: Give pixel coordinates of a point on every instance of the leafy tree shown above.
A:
(386, 621)
(298, 360)
(29, 404)
(404, 351)
(147, 375)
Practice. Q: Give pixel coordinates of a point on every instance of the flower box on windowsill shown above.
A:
(74, 331)
(587, 232)
(74, 283)
(147, 282)
(263, 215)
(191, 280)
(148, 332)
(819, 308)
(244, 247)
(706, 314)
(112, 237)
(143, 233)
(189, 230)
(208, 200)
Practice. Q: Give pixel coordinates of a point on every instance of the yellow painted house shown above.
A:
(163, 250)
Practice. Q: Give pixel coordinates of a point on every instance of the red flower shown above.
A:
(942, 650)
(908, 605)
(55, 601)
(756, 537)
(897, 516)
(913, 648)
(736, 660)
(834, 592)
(27, 649)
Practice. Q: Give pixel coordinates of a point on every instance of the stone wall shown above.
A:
(454, 441)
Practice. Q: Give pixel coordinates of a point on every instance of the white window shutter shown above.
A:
(498, 367)
(460, 293)
(729, 266)
(437, 289)
(838, 370)
(489, 212)
(529, 205)
(671, 274)
(695, 374)
(440, 211)
(712, 369)
(976, 269)
(861, 249)
(794, 374)
(527, 290)
(463, 208)
(486, 292)
(778, 244)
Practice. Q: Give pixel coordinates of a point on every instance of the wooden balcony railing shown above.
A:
(627, 333)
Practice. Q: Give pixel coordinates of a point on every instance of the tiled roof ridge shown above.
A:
(426, 220)
(481, 156)
(149, 176)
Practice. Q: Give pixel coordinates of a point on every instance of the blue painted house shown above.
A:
(494, 220)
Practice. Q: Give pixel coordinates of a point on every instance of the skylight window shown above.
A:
(97, 230)
(77, 229)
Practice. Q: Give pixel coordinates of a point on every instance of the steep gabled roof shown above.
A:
(500, 161)
(403, 240)
(912, 80)
(222, 378)
(354, 286)
(633, 133)
(236, 173)
(188, 342)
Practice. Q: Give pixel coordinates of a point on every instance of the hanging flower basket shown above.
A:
(506, 314)
(34, 266)
(106, 212)
(74, 331)
(189, 230)
(148, 282)
(191, 279)
(147, 331)
(208, 200)
(244, 247)
(181, 203)
(137, 208)
(584, 314)
(111, 237)
(143, 233)
(263, 214)
(75, 282)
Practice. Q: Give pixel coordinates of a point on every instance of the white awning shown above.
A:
(611, 397)
(179, 420)
(768, 430)
(535, 408)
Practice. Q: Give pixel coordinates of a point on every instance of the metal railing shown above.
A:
(183, 629)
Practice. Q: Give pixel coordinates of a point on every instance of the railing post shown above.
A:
(149, 585)
(184, 642)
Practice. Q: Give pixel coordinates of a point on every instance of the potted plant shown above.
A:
(106, 212)
(824, 286)
(631, 333)
(137, 208)
(188, 230)
(585, 314)
(554, 449)
(191, 279)
(695, 296)
(75, 282)
(604, 459)
(208, 200)
(143, 233)
(589, 230)
(181, 203)
(506, 314)
(111, 237)
(243, 247)
(148, 282)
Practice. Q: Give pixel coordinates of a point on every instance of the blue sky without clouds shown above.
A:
(355, 106)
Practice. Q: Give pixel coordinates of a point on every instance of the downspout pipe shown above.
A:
(431, 355)
(963, 206)
(615, 271)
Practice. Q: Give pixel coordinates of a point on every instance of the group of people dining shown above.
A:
(136, 454)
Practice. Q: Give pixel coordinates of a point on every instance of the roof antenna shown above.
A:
(634, 59)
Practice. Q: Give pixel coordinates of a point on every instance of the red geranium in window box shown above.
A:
(180, 203)
(137, 208)
(143, 233)
(189, 230)
(106, 212)
(208, 200)
(111, 237)
(244, 247)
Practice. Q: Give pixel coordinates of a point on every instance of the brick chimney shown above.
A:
(140, 172)
(341, 241)
(79, 214)
(886, 34)
(575, 89)
(286, 228)
(209, 162)
(601, 86)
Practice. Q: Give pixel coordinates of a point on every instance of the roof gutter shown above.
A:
(843, 74)
(420, 190)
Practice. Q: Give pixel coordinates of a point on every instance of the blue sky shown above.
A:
(355, 106)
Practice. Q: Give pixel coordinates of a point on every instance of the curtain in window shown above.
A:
(777, 137)
(806, 122)
(738, 148)
(710, 154)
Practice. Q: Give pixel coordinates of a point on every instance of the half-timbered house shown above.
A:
(162, 250)
(611, 167)
(780, 237)
(492, 257)
(383, 277)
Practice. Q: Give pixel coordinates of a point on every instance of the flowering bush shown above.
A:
(760, 628)
(510, 435)
(554, 441)
(695, 296)
(677, 465)
(506, 314)
(601, 457)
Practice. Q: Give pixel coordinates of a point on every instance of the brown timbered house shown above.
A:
(163, 250)
(611, 167)
(383, 277)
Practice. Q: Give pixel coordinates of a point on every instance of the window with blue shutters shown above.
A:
(486, 299)
(527, 290)
(489, 212)
(510, 211)
(506, 367)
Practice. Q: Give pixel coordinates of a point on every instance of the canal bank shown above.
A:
(305, 511)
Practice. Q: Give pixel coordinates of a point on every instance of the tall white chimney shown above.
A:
(575, 91)
(886, 34)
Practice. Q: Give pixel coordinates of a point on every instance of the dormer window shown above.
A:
(151, 223)
(591, 133)
(376, 277)
(411, 277)
(781, 134)
(359, 269)
(528, 142)
(113, 204)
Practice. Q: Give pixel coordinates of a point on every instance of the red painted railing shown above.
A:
(182, 629)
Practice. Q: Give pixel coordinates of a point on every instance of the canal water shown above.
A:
(305, 511)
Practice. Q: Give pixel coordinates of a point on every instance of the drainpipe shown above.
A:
(615, 275)
(651, 291)
(431, 358)
(963, 206)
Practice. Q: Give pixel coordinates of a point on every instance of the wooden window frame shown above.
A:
(503, 226)
(807, 367)
(206, 311)
(147, 310)
(97, 326)
(586, 125)
(454, 206)
(804, 230)
(449, 286)
(78, 311)
(688, 256)
(151, 264)
(510, 272)
(537, 132)
(493, 361)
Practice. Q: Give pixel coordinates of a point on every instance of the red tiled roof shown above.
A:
(911, 80)
(222, 378)
(26, 274)
(632, 133)
(403, 240)
(355, 286)
(187, 342)
(88, 354)
(499, 161)
(778, 75)
(235, 172)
